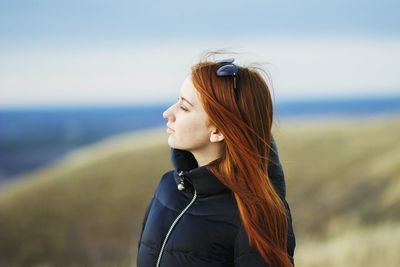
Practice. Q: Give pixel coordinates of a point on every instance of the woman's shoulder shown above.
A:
(167, 175)
(166, 181)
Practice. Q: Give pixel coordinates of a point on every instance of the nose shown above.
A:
(168, 114)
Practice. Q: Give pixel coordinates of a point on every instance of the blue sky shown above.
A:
(99, 52)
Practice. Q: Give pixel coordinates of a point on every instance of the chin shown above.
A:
(172, 143)
(175, 146)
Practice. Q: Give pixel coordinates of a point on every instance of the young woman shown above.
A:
(224, 203)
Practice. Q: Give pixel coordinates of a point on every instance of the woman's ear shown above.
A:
(216, 136)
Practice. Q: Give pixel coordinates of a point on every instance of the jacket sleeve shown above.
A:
(244, 255)
(145, 219)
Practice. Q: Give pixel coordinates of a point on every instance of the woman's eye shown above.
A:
(181, 107)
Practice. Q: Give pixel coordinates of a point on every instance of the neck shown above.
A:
(206, 155)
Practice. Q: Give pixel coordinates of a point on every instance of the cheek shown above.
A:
(195, 126)
(192, 131)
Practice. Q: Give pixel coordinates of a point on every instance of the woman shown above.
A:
(224, 202)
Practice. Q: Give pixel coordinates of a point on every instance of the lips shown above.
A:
(170, 128)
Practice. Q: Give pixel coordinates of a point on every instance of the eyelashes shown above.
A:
(181, 107)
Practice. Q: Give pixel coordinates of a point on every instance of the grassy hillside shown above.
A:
(362, 246)
(87, 209)
(343, 188)
(342, 174)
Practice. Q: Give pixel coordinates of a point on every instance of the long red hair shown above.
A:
(246, 125)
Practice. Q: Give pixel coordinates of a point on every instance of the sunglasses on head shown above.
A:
(228, 69)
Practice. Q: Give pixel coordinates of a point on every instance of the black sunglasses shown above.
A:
(228, 69)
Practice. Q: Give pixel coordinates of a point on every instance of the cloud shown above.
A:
(152, 72)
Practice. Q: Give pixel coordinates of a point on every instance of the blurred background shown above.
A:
(83, 85)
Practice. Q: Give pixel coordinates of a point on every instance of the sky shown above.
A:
(139, 52)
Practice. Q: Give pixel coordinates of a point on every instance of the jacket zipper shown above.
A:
(173, 225)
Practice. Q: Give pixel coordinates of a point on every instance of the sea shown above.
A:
(31, 137)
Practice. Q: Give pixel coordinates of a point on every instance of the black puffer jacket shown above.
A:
(200, 225)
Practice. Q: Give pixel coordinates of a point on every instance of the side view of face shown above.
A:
(186, 122)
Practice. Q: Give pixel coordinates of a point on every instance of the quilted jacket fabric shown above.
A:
(200, 224)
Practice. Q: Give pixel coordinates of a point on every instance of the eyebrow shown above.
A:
(186, 100)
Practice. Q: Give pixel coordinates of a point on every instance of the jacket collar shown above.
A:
(206, 183)
(191, 176)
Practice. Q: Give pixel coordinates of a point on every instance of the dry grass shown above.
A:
(86, 209)
(341, 172)
(356, 247)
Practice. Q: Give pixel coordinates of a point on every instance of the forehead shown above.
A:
(188, 90)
